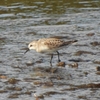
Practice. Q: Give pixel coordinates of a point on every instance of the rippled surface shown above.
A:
(14, 9)
(30, 76)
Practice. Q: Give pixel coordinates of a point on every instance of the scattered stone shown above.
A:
(79, 60)
(95, 43)
(91, 85)
(86, 73)
(2, 39)
(37, 97)
(37, 83)
(30, 79)
(52, 93)
(78, 53)
(83, 86)
(98, 68)
(29, 63)
(70, 89)
(37, 68)
(82, 97)
(3, 91)
(15, 66)
(90, 34)
(13, 96)
(1, 61)
(28, 92)
(14, 88)
(53, 70)
(58, 77)
(96, 62)
(40, 74)
(13, 81)
(3, 77)
(40, 96)
(39, 61)
(61, 64)
(48, 83)
(98, 73)
(74, 65)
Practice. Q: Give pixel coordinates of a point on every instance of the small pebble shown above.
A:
(74, 65)
(12, 81)
(98, 68)
(53, 70)
(29, 63)
(37, 97)
(95, 43)
(49, 83)
(28, 92)
(86, 73)
(13, 96)
(61, 64)
(96, 62)
(37, 83)
(39, 61)
(98, 73)
(3, 91)
(3, 77)
(90, 34)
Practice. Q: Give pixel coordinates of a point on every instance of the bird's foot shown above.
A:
(59, 60)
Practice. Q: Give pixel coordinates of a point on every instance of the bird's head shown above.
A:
(31, 46)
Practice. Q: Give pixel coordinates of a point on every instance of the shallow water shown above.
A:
(30, 76)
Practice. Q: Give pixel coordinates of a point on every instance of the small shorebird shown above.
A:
(49, 46)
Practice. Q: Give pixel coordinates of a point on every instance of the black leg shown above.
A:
(51, 59)
(58, 56)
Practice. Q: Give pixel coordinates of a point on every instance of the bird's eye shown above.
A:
(30, 45)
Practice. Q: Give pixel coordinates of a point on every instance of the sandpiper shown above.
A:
(49, 46)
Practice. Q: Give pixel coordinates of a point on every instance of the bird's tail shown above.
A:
(70, 42)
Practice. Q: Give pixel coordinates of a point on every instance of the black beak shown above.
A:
(26, 50)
